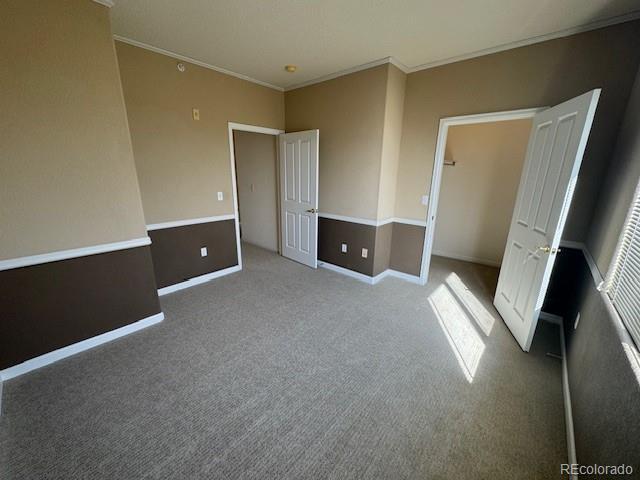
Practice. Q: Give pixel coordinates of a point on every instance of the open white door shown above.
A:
(556, 145)
(299, 196)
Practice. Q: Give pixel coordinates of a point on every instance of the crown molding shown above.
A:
(398, 64)
(635, 15)
(106, 3)
(348, 71)
(184, 58)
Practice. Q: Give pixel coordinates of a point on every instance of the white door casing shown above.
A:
(438, 165)
(556, 145)
(299, 196)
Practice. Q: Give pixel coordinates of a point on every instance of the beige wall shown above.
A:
(544, 74)
(349, 111)
(183, 163)
(67, 177)
(478, 194)
(256, 164)
(391, 136)
(618, 189)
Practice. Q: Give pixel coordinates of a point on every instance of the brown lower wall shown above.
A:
(406, 248)
(332, 233)
(176, 251)
(395, 245)
(49, 306)
(384, 244)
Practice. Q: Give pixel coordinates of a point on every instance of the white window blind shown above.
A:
(623, 281)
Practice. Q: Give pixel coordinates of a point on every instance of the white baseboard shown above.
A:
(349, 273)
(198, 280)
(69, 350)
(369, 279)
(566, 394)
(401, 275)
(464, 258)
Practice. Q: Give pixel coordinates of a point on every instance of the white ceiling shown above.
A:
(256, 38)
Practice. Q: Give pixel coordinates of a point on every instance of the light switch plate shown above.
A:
(204, 252)
(424, 200)
(365, 253)
(344, 248)
(220, 196)
(196, 114)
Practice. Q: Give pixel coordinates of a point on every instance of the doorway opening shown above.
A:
(275, 190)
(476, 173)
(256, 180)
(254, 174)
(480, 178)
(555, 147)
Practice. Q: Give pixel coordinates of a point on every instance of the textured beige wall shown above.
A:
(622, 178)
(349, 111)
(391, 136)
(183, 163)
(539, 75)
(67, 177)
(256, 167)
(478, 194)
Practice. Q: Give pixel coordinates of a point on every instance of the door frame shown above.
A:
(438, 165)
(232, 159)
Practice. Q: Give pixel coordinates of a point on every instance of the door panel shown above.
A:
(291, 230)
(305, 172)
(305, 233)
(290, 172)
(299, 197)
(539, 141)
(554, 154)
(555, 171)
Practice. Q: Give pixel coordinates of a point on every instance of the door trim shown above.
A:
(438, 164)
(232, 159)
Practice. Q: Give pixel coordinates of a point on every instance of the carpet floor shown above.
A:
(284, 372)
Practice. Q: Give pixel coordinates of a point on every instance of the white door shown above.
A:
(556, 145)
(299, 196)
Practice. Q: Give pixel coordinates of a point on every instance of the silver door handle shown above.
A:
(548, 249)
(312, 210)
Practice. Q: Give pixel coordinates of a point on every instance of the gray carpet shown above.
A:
(283, 372)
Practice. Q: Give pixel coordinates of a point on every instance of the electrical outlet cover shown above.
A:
(365, 253)
(220, 196)
(344, 248)
(204, 252)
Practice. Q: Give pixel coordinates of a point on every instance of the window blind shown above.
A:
(623, 282)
